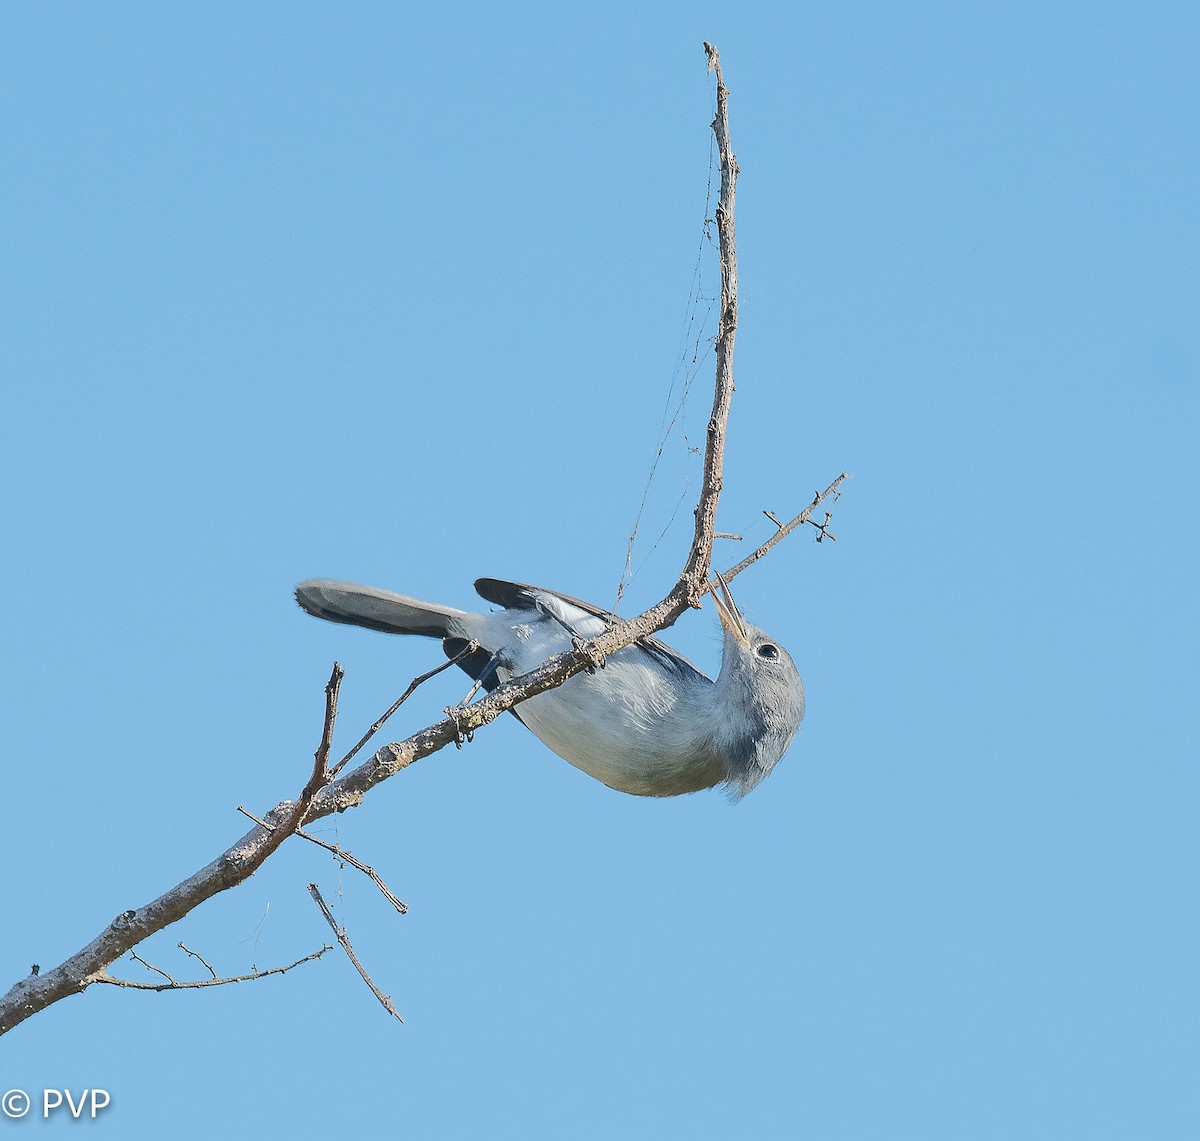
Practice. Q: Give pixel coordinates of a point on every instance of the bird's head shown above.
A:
(762, 695)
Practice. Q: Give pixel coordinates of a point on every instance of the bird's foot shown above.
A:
(461, 736)
(583, 646)
(456, 711)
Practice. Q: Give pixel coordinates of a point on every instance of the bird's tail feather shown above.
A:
(380, 609)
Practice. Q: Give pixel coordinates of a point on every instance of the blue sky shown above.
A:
(396, 294)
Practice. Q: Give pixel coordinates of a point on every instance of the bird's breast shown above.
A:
(631, 726)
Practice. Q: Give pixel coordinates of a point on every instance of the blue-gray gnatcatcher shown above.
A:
(648, 723)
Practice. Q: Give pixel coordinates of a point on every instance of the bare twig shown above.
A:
(232, 867)
(468, 649)
(785, 529)
(695, 570)
(823, 531)
(340, 932)
(341, 854)
(321, 773)
(151, 967)
(196, 984)
(188, 951)
(345, 857)
(257, 820)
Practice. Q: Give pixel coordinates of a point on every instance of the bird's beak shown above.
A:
(730, 617)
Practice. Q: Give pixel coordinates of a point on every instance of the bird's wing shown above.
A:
(522, 596)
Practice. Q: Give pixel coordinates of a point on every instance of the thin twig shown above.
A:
(195, 955)
(782, 530)
(257, 819)
(346, 857)
(196, 984)
(468, 649)
(340, 932)
(321, 765)
(823, 531)
(341, 854)
(151, 967)
(320, 772)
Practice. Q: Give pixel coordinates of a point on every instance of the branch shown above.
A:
(232, 867)
(196, 955)
(466, 651)
(384, 1000)
(343, 857)
(325, 791)
(785, 529)
(129, 984)
(695, 570)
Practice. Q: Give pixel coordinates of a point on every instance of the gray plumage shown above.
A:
(648, 723)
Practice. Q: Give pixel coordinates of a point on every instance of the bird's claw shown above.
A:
(461, 736)
(583, 646)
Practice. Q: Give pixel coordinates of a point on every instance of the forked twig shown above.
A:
(321, 774)
(784, 529)
(196, 984)
(341, 854)
(468, 649)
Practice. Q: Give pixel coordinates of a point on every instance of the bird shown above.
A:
(648, 722)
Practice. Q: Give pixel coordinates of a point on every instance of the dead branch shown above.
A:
(151, 967)
(384, 1000)
(323, 794)
(196, 984)
(232, 867)
(466, 651)
(782, 530)
(342, 856)
(695, 569)
(321, 757)
(196, 955)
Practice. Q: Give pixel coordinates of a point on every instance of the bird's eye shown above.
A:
(766, 650)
